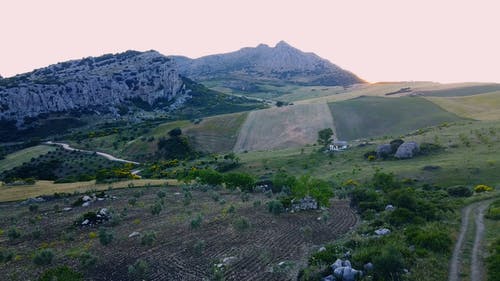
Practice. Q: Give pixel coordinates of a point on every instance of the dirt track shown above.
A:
(476, 266)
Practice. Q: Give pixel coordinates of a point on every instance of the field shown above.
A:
(249, 242)
(21, 192)
(218, 133)
(460, 90)
(479, 107)
(367, 117)
(19, 157)
(283, 127)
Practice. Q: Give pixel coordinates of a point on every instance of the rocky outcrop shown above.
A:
(383, 150)
(282, 63)
(97, 84)
(407, 150)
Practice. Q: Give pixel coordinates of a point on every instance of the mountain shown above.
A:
(125, 85)
(278, 65)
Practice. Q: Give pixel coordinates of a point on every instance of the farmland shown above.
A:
(278, 128)
(251, 243)
(19, 157)
(479, 107)
(367, 117)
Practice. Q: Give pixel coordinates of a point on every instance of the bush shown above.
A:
(208, 176)
(196, 222)
(384, 181)
(493, 261)
(13, 233)
(61, 273)
(242, 181)
(105, 237)
(138, 270)
(459, 191)
(148, 238)
(241, 224)
(87, 260)
(275, 207)
(43, 257)
(389, 264)
(281, 180)
(161, 194)
(33, 208)
(6, 255)
(493, 212)
(156, 208)
(482, 188)
(431, 238)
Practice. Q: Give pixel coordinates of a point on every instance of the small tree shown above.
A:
(43, 257)
(148, 238)
(138, 270)
(325, 137)
(244, 181)
(105, 237)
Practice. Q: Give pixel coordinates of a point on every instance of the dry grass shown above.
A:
(479, 107)
(20, 192)
(278, 128)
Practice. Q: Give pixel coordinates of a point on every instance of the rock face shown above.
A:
(407, 150)
(384, 150)
(97, 84)
(282, 63)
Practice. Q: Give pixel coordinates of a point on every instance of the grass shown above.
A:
(458, 163)
(479, 107)
(463, 90)
(218, 133)
(21, 192)
(278, 128)
(367, 117)
(19, 157)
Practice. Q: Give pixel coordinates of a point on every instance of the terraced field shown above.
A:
(366, 117)
(283, 127)
(253, 253)
(218, 133)
(479, 107)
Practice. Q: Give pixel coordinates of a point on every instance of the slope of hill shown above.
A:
(479, 107)
(366, 117)
(245, 69)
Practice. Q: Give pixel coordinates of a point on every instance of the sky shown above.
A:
(379, 40)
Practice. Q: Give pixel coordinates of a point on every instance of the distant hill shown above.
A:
(283, 64)
(130, 85)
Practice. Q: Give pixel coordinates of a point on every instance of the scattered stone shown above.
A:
(86, 198)
(134, 234)
(382, 231)
(67, 209)
(329, 278)
(407, 150)
(104, 212)
(228, 260)
(389, 207)
(368, 266)
(35, 200)
(86, 204)
(322, 249)
(100, 199)
(306, 203)
(85, 222)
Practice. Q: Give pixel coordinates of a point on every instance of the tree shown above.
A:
(325, 136)
(175, 132)
(244, 181)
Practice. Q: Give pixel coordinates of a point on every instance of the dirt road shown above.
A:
(105, 155)
(476, 265)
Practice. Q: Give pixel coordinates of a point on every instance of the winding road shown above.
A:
(105, 155)
(476, 264)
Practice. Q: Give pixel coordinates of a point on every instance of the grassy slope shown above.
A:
(458, 163)
(462, 90)
(375, 116)
(218, 133)
(279, 128)
(19, 157)
(479, 107)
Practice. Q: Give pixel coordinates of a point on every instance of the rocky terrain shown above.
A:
(280, 64)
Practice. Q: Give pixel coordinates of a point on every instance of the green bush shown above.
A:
(105, 237)
(138, 270)
(156, 208)
(281, 180)
(493, 261)
(43, 257)
(148, 238)
(161, 194)
(13, 233)
(241, 224)
(386, 182)
(196, 222)
(87, 260)
(431, 238)
(389, 264)
(6, 255)
(459, 191)
(275, 207)
(33, 208)
(242, 181)
(208, 176)
(61, 273)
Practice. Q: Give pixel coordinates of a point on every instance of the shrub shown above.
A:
(132, 201)
(431, 238)
(161, 194)
(245, 197)
(196, 222)
(493, 261)
(242, 181)
(87, 260)
(43, 257)
(199, 247)
(6, 255)
(371, 158)
(459, 191)
(384, 181)
(105, 237)
(13, 233)
(482, 188)
(241, 224)
(61, 273)
(275, 207)
(36, 234)
(148, 238)
(208, 176)
(493, 212)
(156, 208)
(33, 208)
(138, 270)
(281, 180)
(389, 264)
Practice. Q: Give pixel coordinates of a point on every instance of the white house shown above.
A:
(338, 146)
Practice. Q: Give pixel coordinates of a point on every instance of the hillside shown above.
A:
(248, 70)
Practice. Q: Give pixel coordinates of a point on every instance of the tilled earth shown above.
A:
(273, 247)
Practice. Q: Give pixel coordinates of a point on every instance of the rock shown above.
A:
(104, 212)
(30, 201)
(66, 209)
(86, 198)
(329, 278)
(407, 150)
(228, 260)
(389, 207)
(368, 266)
(336, 264)
(382, 231)
(134, 234)
(86, 204)
(85, 222)
(383, 150)
(100, 199)
(322, 249)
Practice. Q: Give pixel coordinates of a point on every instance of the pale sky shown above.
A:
(379, 40)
